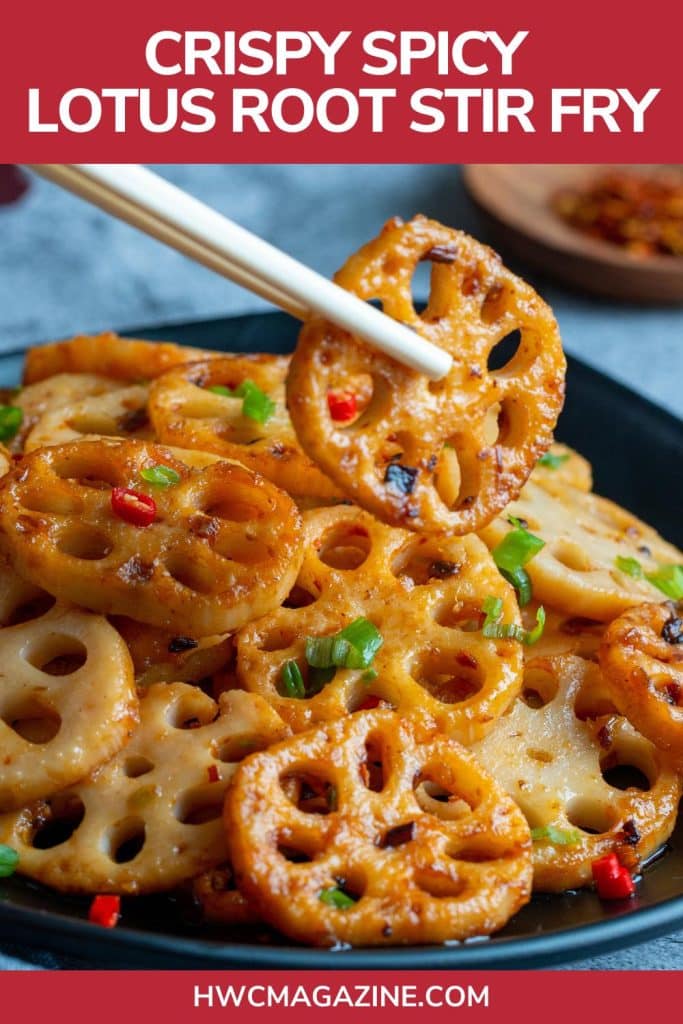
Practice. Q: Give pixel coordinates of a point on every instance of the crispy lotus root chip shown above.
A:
(642, 658)
(151, 817)
(573, 764)
(570, 468)
(423, 595)
(584, 535)
(162, 657)
(120, 413)
(221, 902)
(421, 454)
(126, 359)
(224, 546)
(67, 702)
(186, 412)
(369, 831)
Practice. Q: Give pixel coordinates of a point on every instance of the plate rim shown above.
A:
(620, 929)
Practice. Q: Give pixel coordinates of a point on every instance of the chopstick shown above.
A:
(148, 202)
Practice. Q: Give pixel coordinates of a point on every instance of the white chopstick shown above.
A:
(148, 202)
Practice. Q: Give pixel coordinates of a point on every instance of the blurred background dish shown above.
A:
(532, 211)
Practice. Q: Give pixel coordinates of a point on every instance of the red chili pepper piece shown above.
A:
(342, 405)
(133, 507)
(612, 880)
(213, 773)
(370, 702)
(105, 911)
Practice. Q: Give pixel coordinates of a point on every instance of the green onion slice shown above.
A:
(552, 461)
(256, 404)
(493, 628)
(9, 859)
(631, 566)
(160, 476)
(353, 647)
(292, 680)
(336, 897)
(668, 579)
(514, 551)
(556, 836)
(11, 418)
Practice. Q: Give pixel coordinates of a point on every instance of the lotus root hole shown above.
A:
(423, 561)
(345, 547)
(572, 556)
(89, 470)
(620, 772)
(465, 617)
(136, 765)
(293, 854)
(299, 597)
(32, 719)
(191, 574)
(439, 801)
(125, 840)
(309, 792)
(191, 712)
(57, 655)
(200, 804)
(590, 816)
(32, 609)
(62, 816)
(451, 677)
(84, 542)
(503, 352)
(440, 885)
(372, 769)
(540, 688)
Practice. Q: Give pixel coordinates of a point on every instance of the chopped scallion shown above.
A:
(256, 405)
(11, 418)
(292, 680)
(556, 836)
(336, 897)
(160, 476)
(552, 461)
(9, 860)
(353, 647)
(493, 628)
(668, 579)
(514, 551)
(631, 566)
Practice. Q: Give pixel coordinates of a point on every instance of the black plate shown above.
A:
(636, 450)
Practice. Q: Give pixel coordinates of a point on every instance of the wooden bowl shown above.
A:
(515, 200)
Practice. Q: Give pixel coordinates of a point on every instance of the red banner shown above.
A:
(309, 82)
(182, 996)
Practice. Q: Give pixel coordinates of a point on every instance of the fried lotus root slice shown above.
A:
(162, 657)
(432, 456)
(425, 597)
(573, 764)
(67, 702)
(151, 817)
(564, 466)
(642, 658)
(55, 393)
(584, 534)
(224, 546)
(411, 836)
(120, 413)
(187, 412)
(124, 359)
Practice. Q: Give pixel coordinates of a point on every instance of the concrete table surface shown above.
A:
(67, 268)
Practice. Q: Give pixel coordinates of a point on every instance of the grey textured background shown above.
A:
(65, 267)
